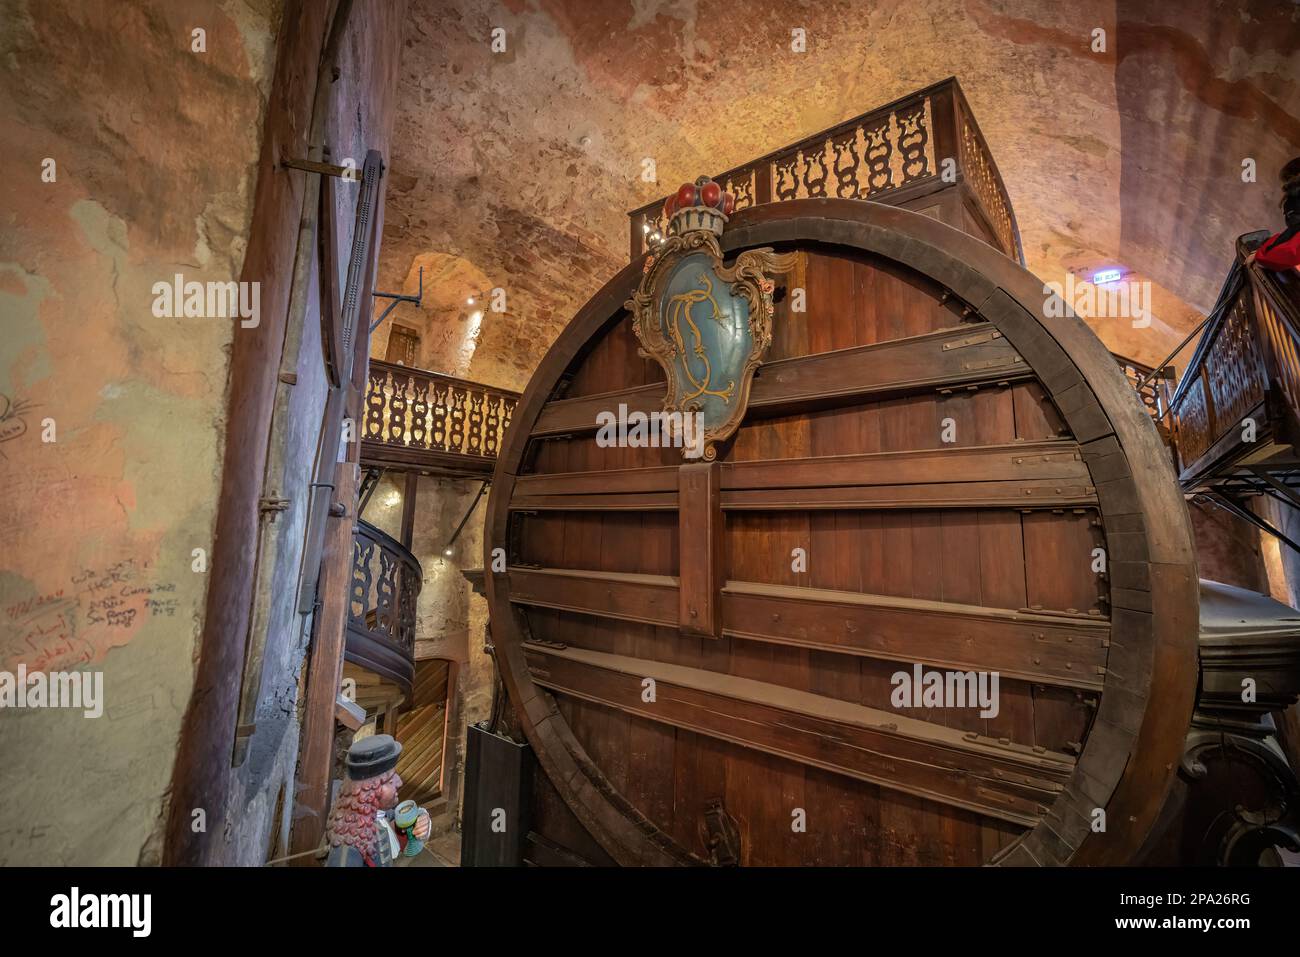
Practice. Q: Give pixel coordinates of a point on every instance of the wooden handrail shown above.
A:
(386, 580)
(1275, 304)
(891, 153)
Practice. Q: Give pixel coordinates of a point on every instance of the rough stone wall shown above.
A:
(154, 149)
(384, 510)
(1228, 550)
(1281, 561)
(449, 617)
(520, 165)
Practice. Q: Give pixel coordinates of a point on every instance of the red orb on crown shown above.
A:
(702, 205)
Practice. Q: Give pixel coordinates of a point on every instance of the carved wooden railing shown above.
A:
(1246, 367)
(925, 141)
(1276, 300)
(416, 419)
(1152, 389)
(386, 580)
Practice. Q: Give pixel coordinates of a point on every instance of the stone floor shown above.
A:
(442, 851)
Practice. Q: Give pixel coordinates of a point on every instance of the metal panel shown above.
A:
(498, 785)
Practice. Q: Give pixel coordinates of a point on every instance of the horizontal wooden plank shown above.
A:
(650, 599)
(629, 502)
(1068, 651)
(1051, 461)
(1057, 649)
(949, 358)
(962, 769)
(662, 478)
(1049, 474)
(1021, 495)
(578, 416)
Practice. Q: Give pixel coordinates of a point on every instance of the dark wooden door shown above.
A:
(926, 476)
(403, 346)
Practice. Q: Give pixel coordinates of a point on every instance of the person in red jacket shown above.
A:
(1282, 250)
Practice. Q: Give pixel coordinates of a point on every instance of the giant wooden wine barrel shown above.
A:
(952, 464)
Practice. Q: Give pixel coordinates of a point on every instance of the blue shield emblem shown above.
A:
(709, 326)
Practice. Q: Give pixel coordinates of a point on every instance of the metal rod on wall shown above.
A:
(419, 295)
(461, 527)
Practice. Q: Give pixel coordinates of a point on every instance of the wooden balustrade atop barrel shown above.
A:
(772, 735)
(900, 153)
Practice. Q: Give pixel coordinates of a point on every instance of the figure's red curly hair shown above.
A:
(352, 819)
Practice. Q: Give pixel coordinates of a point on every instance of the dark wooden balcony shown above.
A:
(1236, 410)
(386, 580)
(896, 154)
(415, 420)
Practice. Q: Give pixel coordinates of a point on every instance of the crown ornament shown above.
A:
(702, 205)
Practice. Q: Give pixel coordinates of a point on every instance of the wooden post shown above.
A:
(325, 670)
(201, 778)
(450, 717)
(634, 235)
(408, 508)
(763, 182)
(700, 528)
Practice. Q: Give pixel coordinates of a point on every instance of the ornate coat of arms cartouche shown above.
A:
(708, 325)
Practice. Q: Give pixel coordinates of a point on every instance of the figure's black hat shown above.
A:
(372, 756)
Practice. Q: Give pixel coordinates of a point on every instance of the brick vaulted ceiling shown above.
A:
(516, 169)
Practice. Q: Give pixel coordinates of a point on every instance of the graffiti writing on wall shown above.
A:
(97, 609)
(12, 423)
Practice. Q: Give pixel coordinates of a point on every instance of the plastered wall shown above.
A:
(129, 157)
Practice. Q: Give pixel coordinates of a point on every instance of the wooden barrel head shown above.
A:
(933, 476)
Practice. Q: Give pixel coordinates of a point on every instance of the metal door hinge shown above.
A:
(350, 173)
(272, 505)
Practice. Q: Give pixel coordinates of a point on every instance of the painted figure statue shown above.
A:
(367, 827)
